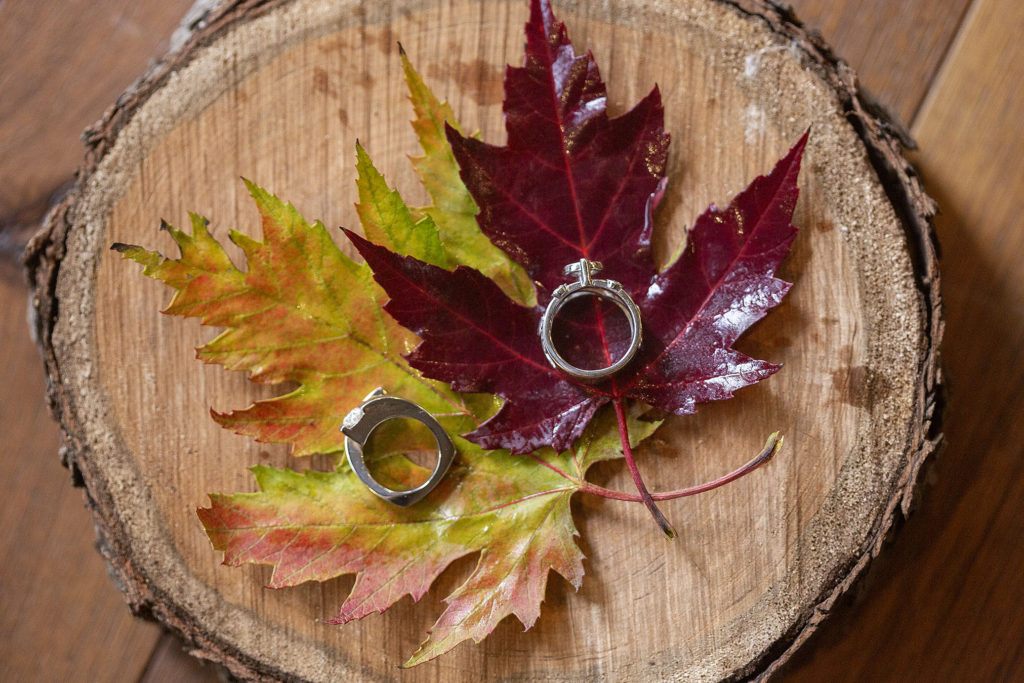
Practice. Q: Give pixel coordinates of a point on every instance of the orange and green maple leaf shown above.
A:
(303, 312)
(315, 526)
(513, 510)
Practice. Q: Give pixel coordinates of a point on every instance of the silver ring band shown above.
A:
(376, 409)
(585, 285)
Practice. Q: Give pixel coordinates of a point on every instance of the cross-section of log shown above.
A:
(277, 92)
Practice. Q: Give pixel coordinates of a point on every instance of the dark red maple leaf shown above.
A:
(573, 183)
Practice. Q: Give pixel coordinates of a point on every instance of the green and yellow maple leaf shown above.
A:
(386, 218)
(453, 210)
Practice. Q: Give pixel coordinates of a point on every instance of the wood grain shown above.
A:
(61, 65)
(60, 611)
(944, 604)
(232, 109)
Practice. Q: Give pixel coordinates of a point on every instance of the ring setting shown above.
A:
(586, 285)
(376, 409)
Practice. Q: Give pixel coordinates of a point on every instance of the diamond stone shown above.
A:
(353, 418)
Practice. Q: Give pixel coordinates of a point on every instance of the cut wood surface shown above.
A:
(277, 94)
(939, 604)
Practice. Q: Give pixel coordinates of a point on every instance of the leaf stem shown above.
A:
(771, 447)
(627, 451)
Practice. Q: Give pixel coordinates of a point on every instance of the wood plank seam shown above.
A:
(948, 55)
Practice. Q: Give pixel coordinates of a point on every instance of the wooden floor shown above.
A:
(942, 603)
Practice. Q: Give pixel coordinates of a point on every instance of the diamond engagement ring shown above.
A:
(376, 409)
(587, 286)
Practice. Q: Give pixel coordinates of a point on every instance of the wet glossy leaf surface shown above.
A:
(573, 183)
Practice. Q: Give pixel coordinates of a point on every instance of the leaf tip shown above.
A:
(401, 50)
(354, 237)
(259, 195)
(796, 152)
(253, 188)
(418, 657)
(198, 222)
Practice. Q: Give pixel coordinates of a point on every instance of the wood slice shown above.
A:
(278, 92)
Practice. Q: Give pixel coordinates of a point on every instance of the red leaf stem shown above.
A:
(645, 496)
(771, 447)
